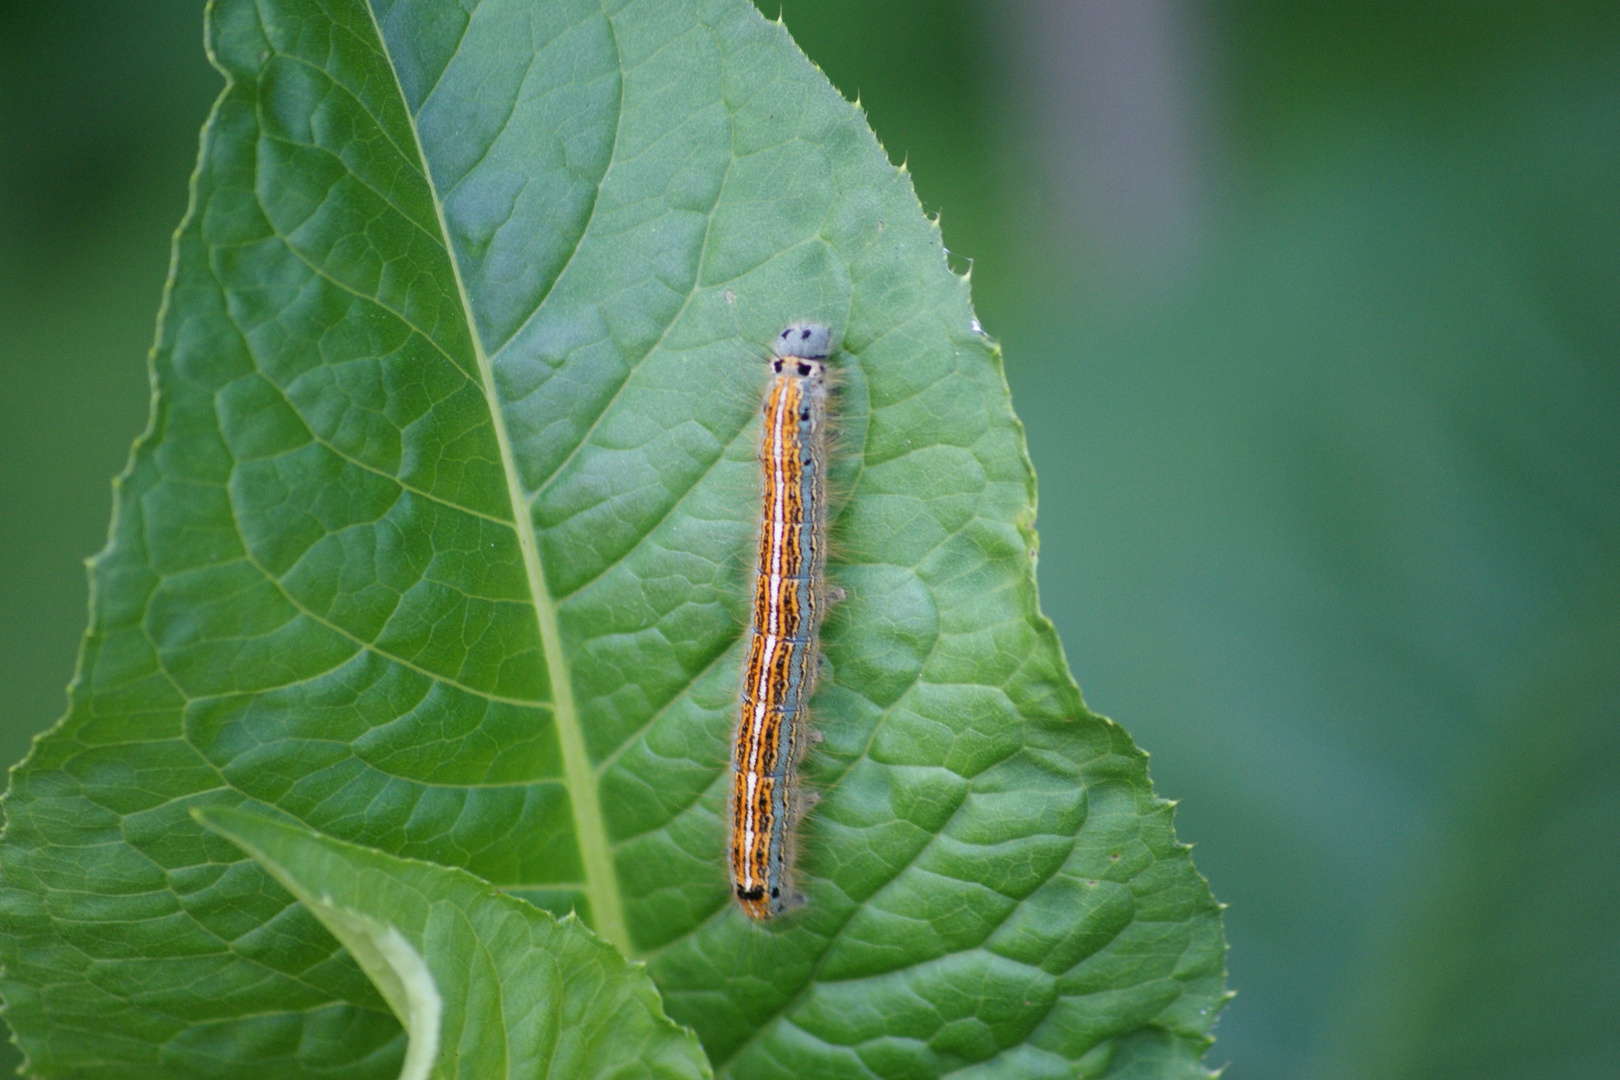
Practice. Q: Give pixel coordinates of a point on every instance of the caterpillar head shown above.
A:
(803, 341)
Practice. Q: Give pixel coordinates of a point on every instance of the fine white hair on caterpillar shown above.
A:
(783, 657)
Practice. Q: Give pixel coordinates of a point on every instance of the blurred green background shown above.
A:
(1313, 314)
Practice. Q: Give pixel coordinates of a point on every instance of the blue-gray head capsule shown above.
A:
(804, 341)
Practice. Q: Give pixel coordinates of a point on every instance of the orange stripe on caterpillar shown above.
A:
(780, 666)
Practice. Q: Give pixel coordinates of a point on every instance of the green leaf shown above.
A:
(485, 984)
(439, 542)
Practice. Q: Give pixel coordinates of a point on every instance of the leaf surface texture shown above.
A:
(486, 985)
(439, 543)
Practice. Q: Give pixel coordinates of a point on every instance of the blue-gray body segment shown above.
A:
(807, 586)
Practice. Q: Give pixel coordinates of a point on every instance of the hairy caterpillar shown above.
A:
(780, 669)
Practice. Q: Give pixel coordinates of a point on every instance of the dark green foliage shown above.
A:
(437, 544)
(491, 986)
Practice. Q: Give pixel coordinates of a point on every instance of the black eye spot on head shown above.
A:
(804, 369)
(803, 340)
(756, 893)
(775, 893)
(776, 365)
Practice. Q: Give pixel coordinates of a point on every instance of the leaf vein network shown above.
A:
(372, 647)
(338, 283)
(674, 699)
(590, 213)
(383, 196)
(404, 485)
(590, 829)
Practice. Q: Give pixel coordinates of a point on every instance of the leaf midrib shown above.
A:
(601, 885)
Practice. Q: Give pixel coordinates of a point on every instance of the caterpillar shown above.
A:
(779, 671)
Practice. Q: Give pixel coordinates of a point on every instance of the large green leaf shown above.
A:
(486, 985)
(438, 543)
